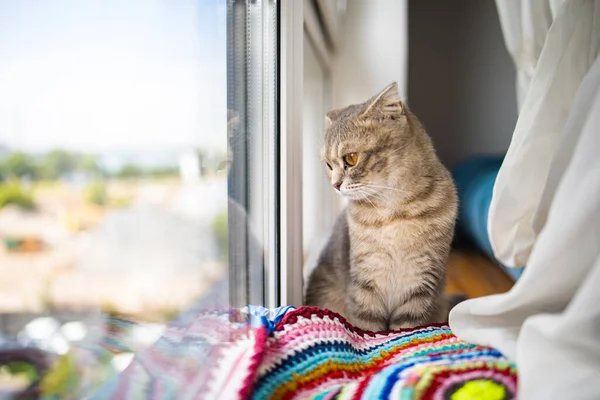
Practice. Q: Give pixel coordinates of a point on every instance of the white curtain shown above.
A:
(524, 25)
(546, 213)
(568, 49)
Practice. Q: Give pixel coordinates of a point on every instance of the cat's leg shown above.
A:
(422, 307)
(325, 291)
(366, 309)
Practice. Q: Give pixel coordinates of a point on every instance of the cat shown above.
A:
(384, 267)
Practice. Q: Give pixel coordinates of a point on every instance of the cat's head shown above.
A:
(363, 149)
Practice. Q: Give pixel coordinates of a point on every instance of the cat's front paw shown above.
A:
(404, 325)
(367, 324)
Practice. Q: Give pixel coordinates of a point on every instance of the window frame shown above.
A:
(279, 147)
(252, 95)
(290, 146)
(298, 19)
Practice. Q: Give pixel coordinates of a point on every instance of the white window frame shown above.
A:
(290, 142)
(297, 19)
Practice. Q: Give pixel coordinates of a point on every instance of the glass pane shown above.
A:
(113, 178)
(251, 97)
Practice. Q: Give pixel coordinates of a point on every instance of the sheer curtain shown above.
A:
(546, 206)
(550, 77)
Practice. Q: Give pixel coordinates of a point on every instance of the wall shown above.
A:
(372, 50)
(461, 81)
(449, 59)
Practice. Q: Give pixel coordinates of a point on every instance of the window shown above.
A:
(251, 100)
(151, 163)
(120, 193)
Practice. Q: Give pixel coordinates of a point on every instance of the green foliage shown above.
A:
(96, 194)
(62, 378)
(134, 171)
(11, 192)
(129, 171)
(18, 165)
(163, 172)
(50, 166)
(21, 368)
(120, 202)
(220, 232)
(57, 163)
(89, 163)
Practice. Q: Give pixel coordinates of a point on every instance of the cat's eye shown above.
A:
(329, 166)
(350, 159)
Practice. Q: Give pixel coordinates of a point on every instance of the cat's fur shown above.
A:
(384, 266)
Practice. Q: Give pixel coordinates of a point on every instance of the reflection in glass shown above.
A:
(113, 180)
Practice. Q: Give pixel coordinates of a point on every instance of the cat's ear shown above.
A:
(385, 104)
(331, 117)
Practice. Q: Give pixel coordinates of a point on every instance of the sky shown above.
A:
(97, 75)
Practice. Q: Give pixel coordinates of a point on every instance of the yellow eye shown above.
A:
(350, 159)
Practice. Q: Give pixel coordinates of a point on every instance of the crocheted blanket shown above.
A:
(309, 353)
(316, 354)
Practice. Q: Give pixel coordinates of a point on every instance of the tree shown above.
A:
(163, 172)
(18, 165)
(129, 171)
(96, 194)
(89, 163)
(11, 193)
(57, 163)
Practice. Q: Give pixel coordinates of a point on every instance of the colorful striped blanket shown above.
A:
(309, 353)
(316, 354)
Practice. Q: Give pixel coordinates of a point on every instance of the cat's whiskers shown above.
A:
(384, 187)
(365, 193)
(360, 187)
(366, 197)
(376, 194)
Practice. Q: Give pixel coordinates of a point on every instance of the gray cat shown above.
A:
(384, 266)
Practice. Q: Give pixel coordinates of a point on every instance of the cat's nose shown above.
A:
(337, 185)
